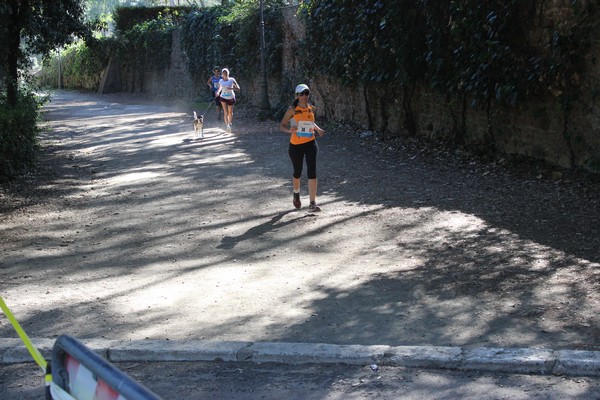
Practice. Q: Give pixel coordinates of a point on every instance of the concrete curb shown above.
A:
(517, 360)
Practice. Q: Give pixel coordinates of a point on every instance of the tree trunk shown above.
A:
(13, 53)
(12, 73)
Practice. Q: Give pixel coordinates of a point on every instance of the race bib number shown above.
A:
(227, 93)
(305, 129)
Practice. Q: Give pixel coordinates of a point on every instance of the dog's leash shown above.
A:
(210, 103)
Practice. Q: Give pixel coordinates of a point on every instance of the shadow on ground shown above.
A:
(414, 247)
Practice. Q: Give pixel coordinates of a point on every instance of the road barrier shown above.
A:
(77, 373)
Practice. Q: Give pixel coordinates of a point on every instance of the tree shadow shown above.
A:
(435, 253)
(229, 242)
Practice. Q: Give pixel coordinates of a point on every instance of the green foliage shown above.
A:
(479, 49)
(52, 23)
(364, 41)
(18, 135)
(126, 18)
(35, 27)
(142, 39)
(201, 40)
(147, 43)
(99, 9)
(81, 65)
(473, 48)
(569, 46)
(230, 36)
(221, 35)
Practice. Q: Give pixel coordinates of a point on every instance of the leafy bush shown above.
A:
(474, 52)
(368, 41)
(126, 18)
(480, 49)
(230, 36)
(202, 41)
(81, 65)
(147, 43)
(144, 35)
(18, 135)
(221, 35)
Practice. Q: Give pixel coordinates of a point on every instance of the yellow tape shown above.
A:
(35, 353)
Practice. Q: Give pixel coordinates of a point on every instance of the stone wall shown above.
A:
(175, 81)
(172, 82)
(538, 129)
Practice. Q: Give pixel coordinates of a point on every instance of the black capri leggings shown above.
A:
(298, 152)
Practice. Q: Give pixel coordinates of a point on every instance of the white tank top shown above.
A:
(227, 88)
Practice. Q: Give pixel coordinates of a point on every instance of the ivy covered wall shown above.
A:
(511, 77)
(514, 77)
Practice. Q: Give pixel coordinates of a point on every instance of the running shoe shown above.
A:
(297, 203)
(229, 128)
(314, 207)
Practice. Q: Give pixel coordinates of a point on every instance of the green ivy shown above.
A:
(474, 52)
(18, 135)
(229, 36)
(364, 41)
(223, 35)
(126, 18)
(81, 65)
(465, 47)
(371, 42)
(201, 40)
(147, 44)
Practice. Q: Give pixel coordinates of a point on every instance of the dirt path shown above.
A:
(133, 229)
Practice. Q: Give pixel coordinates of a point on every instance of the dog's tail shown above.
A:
(195, 115)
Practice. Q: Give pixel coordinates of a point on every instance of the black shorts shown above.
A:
(227, 101)
(217, 101)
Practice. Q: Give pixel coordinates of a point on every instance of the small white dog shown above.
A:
(199, 125)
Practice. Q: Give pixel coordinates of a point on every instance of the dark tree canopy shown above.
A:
(35, 27)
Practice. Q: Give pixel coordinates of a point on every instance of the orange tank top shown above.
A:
(304, 121)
